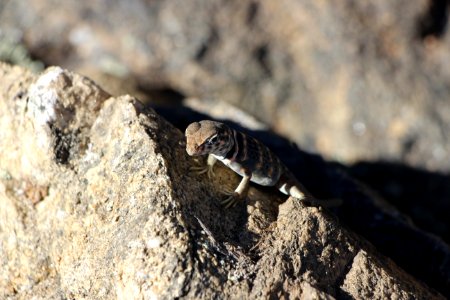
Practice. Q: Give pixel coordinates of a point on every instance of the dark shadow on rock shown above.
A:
(423, 196)
(162, 94)
(434, 21)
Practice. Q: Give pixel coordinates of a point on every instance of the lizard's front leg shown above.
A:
(208, 169)
(238, 194)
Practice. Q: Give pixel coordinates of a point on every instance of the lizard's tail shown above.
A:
(287, 185)
(325, 202)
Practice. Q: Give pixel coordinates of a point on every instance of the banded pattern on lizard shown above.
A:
(247, 157)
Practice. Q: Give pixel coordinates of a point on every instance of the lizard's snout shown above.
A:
(192, 150)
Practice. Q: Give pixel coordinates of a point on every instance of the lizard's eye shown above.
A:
(212, 140)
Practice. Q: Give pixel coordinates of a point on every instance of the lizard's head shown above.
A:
(208, 137)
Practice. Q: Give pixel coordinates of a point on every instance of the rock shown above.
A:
(97, 201)
(366, 269)
(309, 246)
(79, 234)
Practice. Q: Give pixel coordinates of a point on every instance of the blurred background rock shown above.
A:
(353, 81)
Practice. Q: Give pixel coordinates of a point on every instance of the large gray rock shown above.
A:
(97, 202)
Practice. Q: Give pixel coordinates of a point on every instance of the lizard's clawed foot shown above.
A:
(232, 199)
(202, 170)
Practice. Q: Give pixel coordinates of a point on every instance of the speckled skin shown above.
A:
(252, 155)
(243, 154)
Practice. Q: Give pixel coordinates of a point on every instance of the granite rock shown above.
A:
(97, 202)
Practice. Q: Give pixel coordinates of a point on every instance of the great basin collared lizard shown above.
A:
(247, 157)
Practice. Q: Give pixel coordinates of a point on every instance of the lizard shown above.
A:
(246, 156)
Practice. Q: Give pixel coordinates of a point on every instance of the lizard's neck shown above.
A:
(229, 146)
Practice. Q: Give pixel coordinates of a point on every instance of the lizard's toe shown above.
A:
(210, 172)
(227, 191)
(231, 200)
(199, 170)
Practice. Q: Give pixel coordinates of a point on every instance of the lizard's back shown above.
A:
(250, 154)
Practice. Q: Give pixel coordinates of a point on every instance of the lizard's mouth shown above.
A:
(194, 150)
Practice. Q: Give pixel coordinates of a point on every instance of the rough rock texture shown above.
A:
(96, 202)
(351, 80)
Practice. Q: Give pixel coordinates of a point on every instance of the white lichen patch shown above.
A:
(153, 243)
(43, 97)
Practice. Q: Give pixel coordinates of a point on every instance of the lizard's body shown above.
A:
(245, 155)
